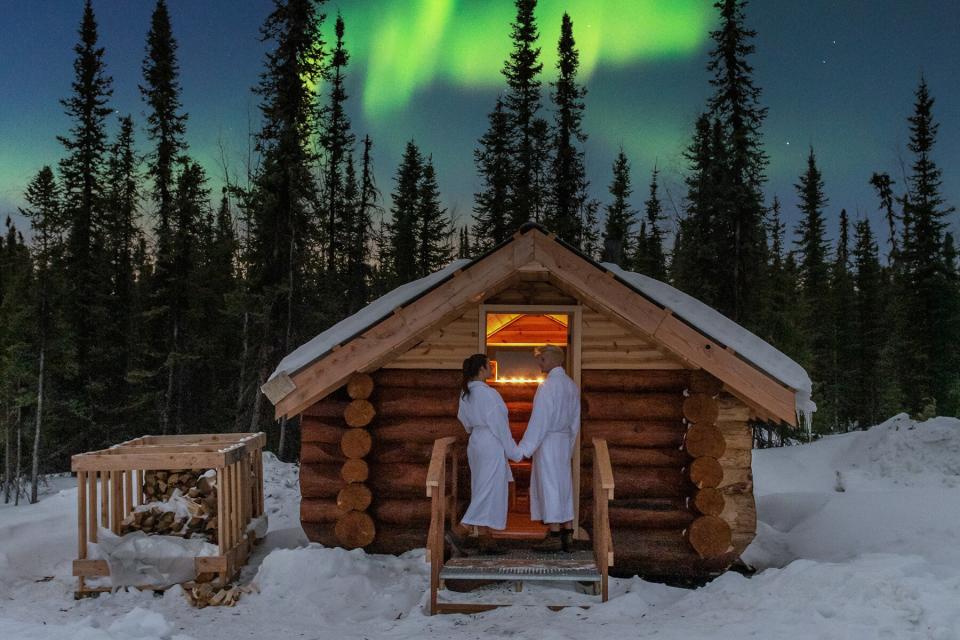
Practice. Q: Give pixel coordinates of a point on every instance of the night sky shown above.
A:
(836, 75)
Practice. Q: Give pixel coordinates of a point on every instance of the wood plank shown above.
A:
(82, 514)
(390, 336)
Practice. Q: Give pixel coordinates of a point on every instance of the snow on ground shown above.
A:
(856, 539)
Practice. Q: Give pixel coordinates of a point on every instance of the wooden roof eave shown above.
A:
(405, 326)
(596, 285)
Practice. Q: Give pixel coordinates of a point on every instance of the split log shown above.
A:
(418, 403)
(418, 379)
(709, 501)
(319, 510)
(662, 554)
(704, 439)
(709, 536)
(320, 453)
(636, 381)
(419, 430)
(700, 408)
(634, 433)
(641, 482)
(330, 409)
(359, 413)
(641, 514)
(601, 405)
(355, 529)
(320, 480)
(705, 472)
(705, 383)
(398, 539)
(398, 480)
(356, 443)
(354, 497)
(413, 452)
(314, 430)
(411, 513)
(360, 386)
(355, 470)
(637, 456)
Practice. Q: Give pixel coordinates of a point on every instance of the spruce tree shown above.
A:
(120, 234)
(867, 379)
(697, 243)
(83, 188)
(780, 320)
(463, 244)
(358, 268)
(618, 244)
(166, 123)
(738, 228)
(884, 186)
(281, 202)
(402, 255)
(568, 183)
(433, 224)
(924, 213)
(337, 143)
(816, 317)
(522, 102)
(492, 209)
(844, 334)
(649, 256)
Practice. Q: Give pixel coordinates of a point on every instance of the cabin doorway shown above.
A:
(510, 334)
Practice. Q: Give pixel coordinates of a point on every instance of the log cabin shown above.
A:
(669, 387)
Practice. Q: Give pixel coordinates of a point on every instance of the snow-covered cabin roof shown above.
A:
(707, 321)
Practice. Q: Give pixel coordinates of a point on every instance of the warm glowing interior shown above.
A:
(512, 338)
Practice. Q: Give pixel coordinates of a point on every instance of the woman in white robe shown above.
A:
(484, 415)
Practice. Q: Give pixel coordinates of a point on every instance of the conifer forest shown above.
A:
(138, 296)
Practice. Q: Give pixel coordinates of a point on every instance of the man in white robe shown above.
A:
(549, 440)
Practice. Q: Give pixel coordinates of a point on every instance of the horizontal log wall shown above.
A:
(639, 413)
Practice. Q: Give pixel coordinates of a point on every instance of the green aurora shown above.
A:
(406, 46)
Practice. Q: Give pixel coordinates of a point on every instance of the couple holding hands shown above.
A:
(549, 441)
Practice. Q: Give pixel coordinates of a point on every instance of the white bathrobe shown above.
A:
(484, 416)
(550, 437)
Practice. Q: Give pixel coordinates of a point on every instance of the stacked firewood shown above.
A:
(205, 594)
(196, 490)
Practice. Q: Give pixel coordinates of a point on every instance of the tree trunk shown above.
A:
(17, 473)
(7, 455)
(35, 462)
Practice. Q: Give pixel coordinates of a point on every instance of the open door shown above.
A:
(510, 336)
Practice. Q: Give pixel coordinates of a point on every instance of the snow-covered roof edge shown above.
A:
(362, 320)
(717, 326)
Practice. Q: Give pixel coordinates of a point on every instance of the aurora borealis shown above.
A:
(839, 76)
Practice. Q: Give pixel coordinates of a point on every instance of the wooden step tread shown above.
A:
(578, 566)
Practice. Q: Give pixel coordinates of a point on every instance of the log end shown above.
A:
(709, 501)
(699, 408)
(710, 536)
(354, 497)
(355, 529)
(356, 443)
(359, 413)
(705, 472)
(355, 470)
(360, 386)
(705, 439)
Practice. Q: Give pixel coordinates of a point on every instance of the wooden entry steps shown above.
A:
(518, 567)
(588, 566)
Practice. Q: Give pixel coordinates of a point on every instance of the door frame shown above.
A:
(574, 349)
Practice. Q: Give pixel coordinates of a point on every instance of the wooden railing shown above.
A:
(441, 489)
(602, 494)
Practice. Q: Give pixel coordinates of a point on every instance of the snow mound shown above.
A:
(890, 489)
(908, 453)
(336, 585)
(136, 624)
